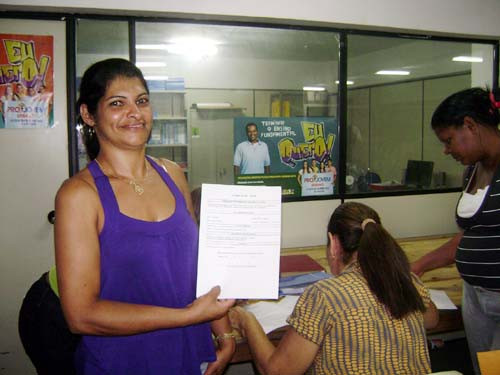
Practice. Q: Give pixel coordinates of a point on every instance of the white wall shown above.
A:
(33, 164)
(416, 215)
(461, 17)
(304, 223)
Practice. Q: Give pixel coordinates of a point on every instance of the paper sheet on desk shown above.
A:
(273, 315)
(240, 238)
(441, 300)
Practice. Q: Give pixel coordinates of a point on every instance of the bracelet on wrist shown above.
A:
(225, 336)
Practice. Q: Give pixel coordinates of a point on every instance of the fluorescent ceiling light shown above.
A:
(393, 72)
(191, 47)
(313, 88)
(468, 58)
(194, 47)
(150, 64)
(155, 78)
(150, 46)
(348, 82)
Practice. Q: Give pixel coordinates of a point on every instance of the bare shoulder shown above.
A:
(77, 189)
(173, 169)
(177, 175)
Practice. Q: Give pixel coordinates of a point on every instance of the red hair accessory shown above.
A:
(493, 101)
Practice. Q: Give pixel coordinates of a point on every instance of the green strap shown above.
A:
(53, 280)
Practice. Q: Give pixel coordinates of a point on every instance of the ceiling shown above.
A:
(95, 36)
(366, 54)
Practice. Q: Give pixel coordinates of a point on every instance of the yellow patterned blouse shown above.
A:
(356, 333)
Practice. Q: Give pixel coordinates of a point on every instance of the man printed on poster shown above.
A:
(26, 81)
(299, 150)
(252, 156)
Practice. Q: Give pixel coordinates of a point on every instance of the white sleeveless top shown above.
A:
(470, 203)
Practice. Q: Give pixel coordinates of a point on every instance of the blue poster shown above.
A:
(299, 154)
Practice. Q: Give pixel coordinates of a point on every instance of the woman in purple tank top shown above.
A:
(126, 245)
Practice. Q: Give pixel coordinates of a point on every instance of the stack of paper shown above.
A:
(273, 315)
(441, 300)
(293, 285)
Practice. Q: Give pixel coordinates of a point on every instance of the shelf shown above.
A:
(169, 134)
(313, 105)
(170, 118)
(154, 145)
(167, 91)
(221, 109)
(216, 107)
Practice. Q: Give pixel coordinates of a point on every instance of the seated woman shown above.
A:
(369, 319)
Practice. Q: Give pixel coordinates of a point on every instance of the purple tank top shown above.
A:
(151, 263)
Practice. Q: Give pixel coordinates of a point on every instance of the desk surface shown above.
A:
(446, 279)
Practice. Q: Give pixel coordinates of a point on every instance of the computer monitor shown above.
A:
(419, 173)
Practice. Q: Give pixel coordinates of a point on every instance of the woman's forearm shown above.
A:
(440, 257)
(222, 330)
(111, 318)
(261, 347)
(106, 317)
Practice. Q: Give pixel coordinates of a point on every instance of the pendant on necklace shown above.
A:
(137, 188)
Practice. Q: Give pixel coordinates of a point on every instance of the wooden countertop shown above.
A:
(446, 279)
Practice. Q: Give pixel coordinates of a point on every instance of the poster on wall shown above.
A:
(26, 81)
(297, 153)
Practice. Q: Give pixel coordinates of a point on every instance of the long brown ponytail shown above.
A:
(383, 263)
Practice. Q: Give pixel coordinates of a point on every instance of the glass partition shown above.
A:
(394, 86)
(211, 85)
(209, 82)
(97, 40)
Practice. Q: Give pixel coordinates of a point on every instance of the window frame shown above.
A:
(342, 194)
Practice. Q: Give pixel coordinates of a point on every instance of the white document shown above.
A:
(239, 247)
(273, 315)
(441, 300)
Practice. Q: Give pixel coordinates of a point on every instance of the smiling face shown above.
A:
(124, 116)
(461, 142)
(252, 133)
(20, 90)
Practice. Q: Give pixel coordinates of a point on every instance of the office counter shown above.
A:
(446, 279)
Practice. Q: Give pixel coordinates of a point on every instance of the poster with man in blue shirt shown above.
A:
(272, 151)
(251, 156)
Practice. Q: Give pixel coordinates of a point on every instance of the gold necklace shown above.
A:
(135, 185)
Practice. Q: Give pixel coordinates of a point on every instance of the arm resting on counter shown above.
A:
(293, 355)
(443, 256)
(431, 316)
